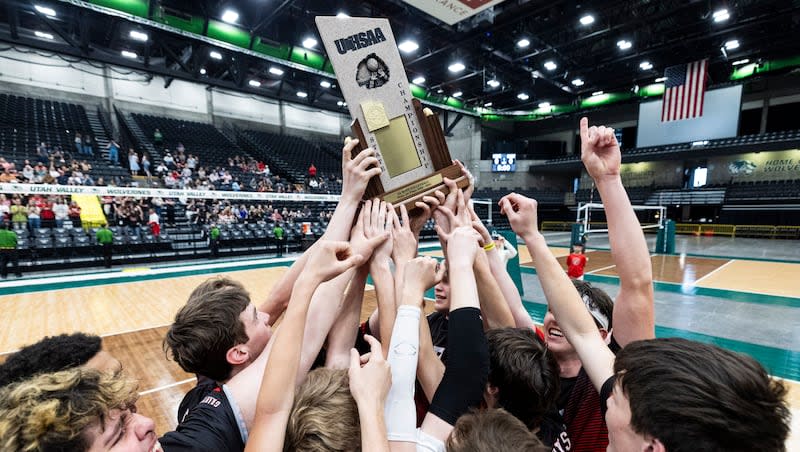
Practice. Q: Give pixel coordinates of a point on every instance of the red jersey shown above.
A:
(575, 265)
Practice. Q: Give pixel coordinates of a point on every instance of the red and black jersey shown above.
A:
(208, 421)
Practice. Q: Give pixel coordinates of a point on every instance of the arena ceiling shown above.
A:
(568, 57)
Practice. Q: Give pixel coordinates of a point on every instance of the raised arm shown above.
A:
(421, 274)
(370, 385)
(273, 406)
(562, 297)
(464, 378)
(371, 224)
(356, 173)
(633, 317)
(497, 265)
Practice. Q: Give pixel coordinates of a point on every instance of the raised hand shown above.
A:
(456, 214)
(427, 206)
(446, 202)
(480, 228)
(329, 259)
(363, 239)
(379, 223)
(357, 171)
(370, 380)
(404, 247)
(421, 274)
(521, 212)
(600, 151)
(462, 245)
(471, 187)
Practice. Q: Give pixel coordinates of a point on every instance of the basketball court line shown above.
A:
(601, 269)
(697, 281)
(171, 385)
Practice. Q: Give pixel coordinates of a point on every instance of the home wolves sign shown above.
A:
(407, 138)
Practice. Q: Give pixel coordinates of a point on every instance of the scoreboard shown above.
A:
(504, 163)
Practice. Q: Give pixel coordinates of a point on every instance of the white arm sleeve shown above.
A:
(428, 443)
(399, 411)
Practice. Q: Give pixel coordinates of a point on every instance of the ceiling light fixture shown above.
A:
(408, 46)
(645, 65)
(741, 62)
(325, 84)
(45, 10)
(342, 15)
(254, 83)
(457, 94)
(597, 93)
(488, 104)
(309, 42)
(340, 103)
(202, 71)
(624, 44)
(732, 44)
(494, 83)
(550, 66)
(456, 67)
(523, 96)
(522, 43)
(138, 35)
(544, 105)
(721, 15)
(215, 55)
(276, 71)
(302, 94)
(578, 82)
(419, 80)
(661, 79)
(129, 54)
(230, 16)
(587, 19)
(43, 35)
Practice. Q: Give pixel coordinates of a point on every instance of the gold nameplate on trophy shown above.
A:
(408, 140)
(375, 115)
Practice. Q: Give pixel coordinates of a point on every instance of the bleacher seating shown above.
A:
(26, 122)
(637, 195)
(773, 191)
(762, 142)
(292, 155)
(201, 139)
(697, 196)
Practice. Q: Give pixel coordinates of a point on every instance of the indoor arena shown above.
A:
(400, 225)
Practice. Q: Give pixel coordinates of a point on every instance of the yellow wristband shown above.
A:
(489, 246)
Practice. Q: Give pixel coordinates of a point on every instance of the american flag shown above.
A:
(685, 91)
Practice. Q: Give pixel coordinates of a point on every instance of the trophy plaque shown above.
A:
(409, 142)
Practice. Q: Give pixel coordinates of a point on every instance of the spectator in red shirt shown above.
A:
(576, 262)
(312, 171)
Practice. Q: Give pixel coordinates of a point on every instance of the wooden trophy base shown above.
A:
(411, 193)
(443, 165)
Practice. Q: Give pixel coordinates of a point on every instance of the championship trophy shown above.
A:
(407, 138)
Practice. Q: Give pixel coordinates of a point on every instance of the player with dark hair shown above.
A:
(669, 394)
(57, 353)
